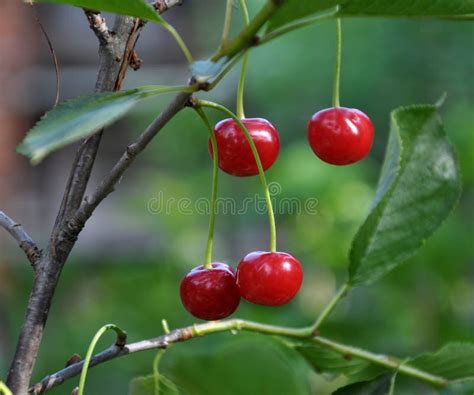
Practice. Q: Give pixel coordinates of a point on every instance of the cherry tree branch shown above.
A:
(25, 242)
(114, 50)
(75, 210)
(190, 332)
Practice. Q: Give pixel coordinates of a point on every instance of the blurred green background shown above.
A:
(418, 307)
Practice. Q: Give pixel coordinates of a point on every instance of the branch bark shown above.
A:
(112, 53)
(190, 332)
(25, 242)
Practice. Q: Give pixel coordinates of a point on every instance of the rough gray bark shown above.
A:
(48, 269)
(25, 242)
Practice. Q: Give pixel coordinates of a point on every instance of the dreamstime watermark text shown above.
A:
(162, 204)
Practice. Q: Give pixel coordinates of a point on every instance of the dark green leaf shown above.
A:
(379, 386)
(465, 387)
(145, 385)
(332, 364)
(81, 117)
(418, 187)
(138, 8)
(454, 361)
(234, 367)
(297, 9)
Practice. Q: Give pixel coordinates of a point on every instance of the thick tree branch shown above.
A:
(48, 269)
(25, 242)
(184, 334)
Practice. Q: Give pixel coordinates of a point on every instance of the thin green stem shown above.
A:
(179, 41)
(330, 306)
(261, 172)
(243, 70)
(299, 24)
(245, 12)
(247, 35)
(240, 87)
(381, 360)
(227, 24)
(121, 338)
(337, 70)
(215, 176)
(228, 67)
(388, 362)
(156, 370)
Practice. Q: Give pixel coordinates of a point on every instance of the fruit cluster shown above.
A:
(338, 136)
(244, 147)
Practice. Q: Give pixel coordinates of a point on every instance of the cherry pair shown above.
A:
(337, 135)
(265, 278)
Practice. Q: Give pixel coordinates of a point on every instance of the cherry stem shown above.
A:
(337, 70)
(243, 70)
(215, 176)
(179, 41)
(120, 342)
(263, 180)
(331, 306)
(227, 24)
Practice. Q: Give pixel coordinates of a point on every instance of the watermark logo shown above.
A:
(162, 204)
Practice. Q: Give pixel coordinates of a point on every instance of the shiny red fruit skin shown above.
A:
(235, 154)
(269, 278)
(340, 136)
(210, 294)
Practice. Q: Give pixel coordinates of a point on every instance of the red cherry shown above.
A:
(235, 155)
(340, 136)
(269, 278)
(210, 294)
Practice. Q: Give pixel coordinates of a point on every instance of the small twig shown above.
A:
(128, 55)
(25, 242)
(98, 26)
(184, 334)
(53, 54)
(164, 5)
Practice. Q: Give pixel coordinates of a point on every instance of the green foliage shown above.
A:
(465, 387)
(331, 364)
(81, 117)
(418, 188)
(240, 364)
(380, 386)
(455, 361)
(146, 385)
(138, 8)
(297, 9)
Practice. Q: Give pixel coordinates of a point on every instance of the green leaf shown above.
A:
(418, 188)
(81, 117)
(153, 384)
(232, 365)
(465, 387)
(138, 8)
(332, 364)
(297, 9)
(379, 386)
(145, 385)
(455, 361)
